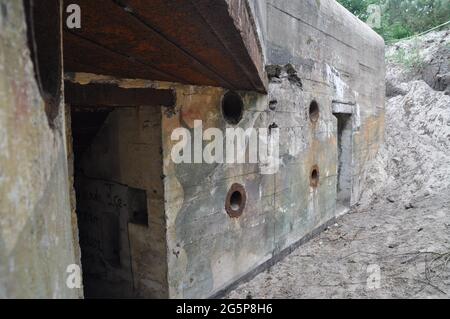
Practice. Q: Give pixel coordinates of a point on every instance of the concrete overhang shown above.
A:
(199, 42)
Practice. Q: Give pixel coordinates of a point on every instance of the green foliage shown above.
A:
(358, 7)
(412, 60)
(403, 18)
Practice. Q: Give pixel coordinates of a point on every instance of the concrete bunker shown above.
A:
(149, 228)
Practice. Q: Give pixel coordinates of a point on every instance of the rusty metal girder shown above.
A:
(200, 42)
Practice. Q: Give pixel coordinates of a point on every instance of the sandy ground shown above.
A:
(396, 243)
(386, 251)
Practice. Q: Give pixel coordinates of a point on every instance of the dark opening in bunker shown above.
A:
(105, 207)
(232, 107)
(236, 200)
(118, 186)
(314, 111)
(315, 176)
(344, 154)
(44, 43)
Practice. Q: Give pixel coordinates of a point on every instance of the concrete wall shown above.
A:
(339, 59)
(315, 50)
(36, 224)
(208, 249)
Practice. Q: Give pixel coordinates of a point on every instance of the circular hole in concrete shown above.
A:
(314, 111)
(232, 107)
(315, 176)
(236, 200)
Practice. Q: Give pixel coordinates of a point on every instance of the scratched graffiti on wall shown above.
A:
(104, 211)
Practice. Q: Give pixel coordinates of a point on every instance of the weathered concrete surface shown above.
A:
(208, 249)
(36, 239)
(340, 59)
(315, 50)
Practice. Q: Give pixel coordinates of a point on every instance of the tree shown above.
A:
(403, 18)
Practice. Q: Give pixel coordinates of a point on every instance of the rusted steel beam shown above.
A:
(108, 95)
(111, 26)
(82, 55)
(233, 24)
(180, 23)
(193, 42)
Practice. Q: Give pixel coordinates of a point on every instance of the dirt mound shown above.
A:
(415, 159)
(424, 58)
